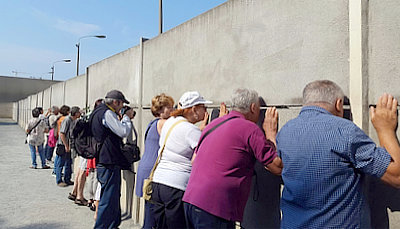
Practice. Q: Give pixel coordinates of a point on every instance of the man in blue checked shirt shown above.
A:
(325, 158)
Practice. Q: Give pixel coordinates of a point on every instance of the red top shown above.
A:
(220, 180)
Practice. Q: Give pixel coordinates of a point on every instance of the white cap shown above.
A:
(192, 98)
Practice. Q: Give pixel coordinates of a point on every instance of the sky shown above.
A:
(36, 33)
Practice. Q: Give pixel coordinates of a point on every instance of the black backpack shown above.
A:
(82, 139)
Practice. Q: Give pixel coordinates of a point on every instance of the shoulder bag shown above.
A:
(147, 183)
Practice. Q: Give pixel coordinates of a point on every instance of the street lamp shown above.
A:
(79, 44)
(52, 67)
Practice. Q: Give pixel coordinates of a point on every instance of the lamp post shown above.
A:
(52, 67)
(78, 46)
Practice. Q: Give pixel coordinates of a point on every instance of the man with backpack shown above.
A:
(109, 131)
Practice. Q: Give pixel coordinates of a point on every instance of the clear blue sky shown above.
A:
(36, 33)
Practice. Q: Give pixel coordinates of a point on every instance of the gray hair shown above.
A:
(54, 108)
(322, 91)
(109, 101)
(242, 98)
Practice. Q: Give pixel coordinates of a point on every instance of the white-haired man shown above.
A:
(220, 180)
(325, 157)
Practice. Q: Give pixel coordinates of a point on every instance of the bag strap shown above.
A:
(30, 131)
(212, 129)
(162, 149)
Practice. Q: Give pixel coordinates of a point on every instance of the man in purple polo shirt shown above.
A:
(220, 180)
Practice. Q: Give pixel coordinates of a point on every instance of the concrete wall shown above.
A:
(75, 92)
(383, 76)
(6, 110)
(273, 46)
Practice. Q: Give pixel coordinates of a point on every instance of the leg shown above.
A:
(55, 163)
(81, 175)
(68, 169)
(174, 213)
(158, 207)
(33, 155)
(59, 166)
(42, 155)
(109, 213)
(149, 221)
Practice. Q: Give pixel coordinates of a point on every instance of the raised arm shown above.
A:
(385, 120)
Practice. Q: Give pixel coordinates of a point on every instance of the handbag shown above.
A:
(60, 150)
(147, 183)
(131, 151)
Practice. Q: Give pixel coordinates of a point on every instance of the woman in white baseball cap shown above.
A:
(172, 173)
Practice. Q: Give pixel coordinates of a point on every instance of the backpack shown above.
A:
(82, 139)
(52, 140)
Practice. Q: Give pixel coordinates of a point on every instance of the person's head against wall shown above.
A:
(75, 112)
(246, 102)
(162, 105)
(64, 110)
(325, 94)
(35, 112)
(192, 106)
(115, 99)
(55, 110)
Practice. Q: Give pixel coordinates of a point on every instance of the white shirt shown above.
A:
(175, 164)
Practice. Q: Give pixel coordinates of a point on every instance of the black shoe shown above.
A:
(69, 183)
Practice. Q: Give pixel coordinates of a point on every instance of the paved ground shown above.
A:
(29, 197)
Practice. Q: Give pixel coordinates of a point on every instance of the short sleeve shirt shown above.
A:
(65, 127)
(175, 164)
(324, 160)
(36, 137)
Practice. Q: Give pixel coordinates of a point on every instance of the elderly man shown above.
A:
(109, 131)
(220, 181)
(326, 156)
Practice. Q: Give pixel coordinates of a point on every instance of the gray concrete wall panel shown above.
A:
(6, 110)
(270, 46)
(46, 98)
(75, 91)
(117, 72)
(57, 96)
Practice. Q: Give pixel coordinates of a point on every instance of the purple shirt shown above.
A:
(220, 181)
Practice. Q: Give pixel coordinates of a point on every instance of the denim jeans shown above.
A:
(41, 154)
(55, 163)
(49, 152)
(109, 210)
(64, 160)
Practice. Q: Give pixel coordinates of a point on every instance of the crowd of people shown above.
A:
(201, 171)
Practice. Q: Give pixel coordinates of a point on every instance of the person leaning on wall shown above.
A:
(223, 164)
(326, 158)
(173, 171)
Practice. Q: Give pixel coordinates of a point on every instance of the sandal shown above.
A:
(71, 196)
(81, 202)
